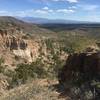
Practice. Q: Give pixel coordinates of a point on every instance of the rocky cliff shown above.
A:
(17, 47)
(14, 42)
(81, 74)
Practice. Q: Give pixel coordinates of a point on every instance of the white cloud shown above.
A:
(45, 8)
(65, 11)
(41, 11)
(51, 11)
(70, 1)
(31, 12)
(73, 7)
(5, 13)
(88, 7)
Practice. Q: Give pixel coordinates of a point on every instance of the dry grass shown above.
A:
(40, 89)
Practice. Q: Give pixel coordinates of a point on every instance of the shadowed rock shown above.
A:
(81, 69)
(86, 63)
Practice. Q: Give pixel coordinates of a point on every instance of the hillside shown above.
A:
(90, 29)
(24, 40)
(32, 55)
(8, 22)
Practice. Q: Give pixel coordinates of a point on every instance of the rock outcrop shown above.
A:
(16, 46)
(81, 70)
(12, 41)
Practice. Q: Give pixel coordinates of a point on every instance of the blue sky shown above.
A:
(84, 10)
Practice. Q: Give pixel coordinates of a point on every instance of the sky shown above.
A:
(82, 10)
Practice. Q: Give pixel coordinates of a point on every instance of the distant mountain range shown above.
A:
(51, 21)
(8, 22)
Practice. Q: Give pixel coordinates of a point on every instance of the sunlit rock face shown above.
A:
(82, 73)
(27, 50)
(24, 48)
(17, 47)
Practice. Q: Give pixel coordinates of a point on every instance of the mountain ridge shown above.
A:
(40, 20)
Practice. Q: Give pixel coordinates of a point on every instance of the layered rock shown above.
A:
(16, 46)
(12, 41)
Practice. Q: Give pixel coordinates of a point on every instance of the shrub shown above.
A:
(1, 61)
(23, 72)
(1, 67)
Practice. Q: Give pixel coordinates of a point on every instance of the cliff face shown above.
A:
(15, 44)
(19, 47)
(81, 73)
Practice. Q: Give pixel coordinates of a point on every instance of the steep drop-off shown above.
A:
(81, 75)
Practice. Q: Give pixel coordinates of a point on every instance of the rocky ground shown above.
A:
(41, 89)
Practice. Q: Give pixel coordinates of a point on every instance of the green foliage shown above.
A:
(68, 49)
(1, 67)
(73, 44)
(1, 61)
(23, 72)
(49, 43)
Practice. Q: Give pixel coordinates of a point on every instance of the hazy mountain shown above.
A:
(8, 22)
(34, 20)
(51, 21)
